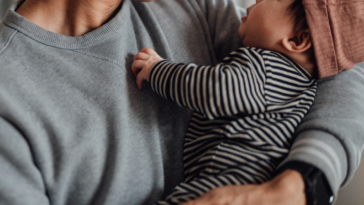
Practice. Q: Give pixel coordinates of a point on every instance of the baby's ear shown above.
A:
(300, 42)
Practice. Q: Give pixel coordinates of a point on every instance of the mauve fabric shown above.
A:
(337, 30)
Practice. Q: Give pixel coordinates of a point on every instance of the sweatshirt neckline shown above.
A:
(104, 32)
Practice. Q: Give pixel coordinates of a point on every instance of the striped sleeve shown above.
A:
(215, 91)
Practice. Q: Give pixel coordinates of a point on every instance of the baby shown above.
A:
(247, 107)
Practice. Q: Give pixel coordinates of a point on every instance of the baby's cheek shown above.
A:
(241, 31)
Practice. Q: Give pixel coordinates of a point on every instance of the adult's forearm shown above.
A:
(285, 189)
(330, 136)
(323, 151)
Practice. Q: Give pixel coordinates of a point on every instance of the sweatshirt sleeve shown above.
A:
(220, 20)
(21, 181)
(331, 136)
(215, 91)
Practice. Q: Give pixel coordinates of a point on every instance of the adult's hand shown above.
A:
(286, 189)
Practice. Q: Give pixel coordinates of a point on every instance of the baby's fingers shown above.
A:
(139, 72)
(149, 52)
(141, 56)
(137, 66)
(139, 80)
(141, 76)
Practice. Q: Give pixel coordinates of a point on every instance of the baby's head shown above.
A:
(335, 41)
(279, 25)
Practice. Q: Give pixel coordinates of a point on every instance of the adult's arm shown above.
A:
(330, 136)
(21, 181)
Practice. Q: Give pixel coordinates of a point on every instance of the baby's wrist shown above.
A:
(153, 68)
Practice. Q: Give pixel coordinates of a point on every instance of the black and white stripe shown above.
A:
(246, 110)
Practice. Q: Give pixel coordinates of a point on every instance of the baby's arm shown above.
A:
(215, 91)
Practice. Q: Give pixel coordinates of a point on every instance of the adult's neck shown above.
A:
(69, 17)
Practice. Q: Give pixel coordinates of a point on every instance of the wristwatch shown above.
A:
(318, 191)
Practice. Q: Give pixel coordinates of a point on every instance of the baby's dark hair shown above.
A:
(297, 11)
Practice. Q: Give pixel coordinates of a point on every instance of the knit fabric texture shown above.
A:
(337, 28)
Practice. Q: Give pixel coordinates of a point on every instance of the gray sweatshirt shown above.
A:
(74, 128)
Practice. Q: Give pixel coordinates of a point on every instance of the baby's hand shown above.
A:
(143, 64)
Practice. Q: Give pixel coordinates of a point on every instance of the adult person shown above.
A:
(75, 129)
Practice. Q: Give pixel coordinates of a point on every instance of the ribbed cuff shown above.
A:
(323, 151)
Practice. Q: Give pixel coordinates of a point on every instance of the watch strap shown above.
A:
(317, 189)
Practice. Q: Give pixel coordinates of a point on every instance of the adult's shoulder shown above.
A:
(6, 35)
(13, 59)
(7, 40)
(214, 23)
(7, 54)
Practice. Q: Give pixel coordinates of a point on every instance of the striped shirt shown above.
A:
(246, 111)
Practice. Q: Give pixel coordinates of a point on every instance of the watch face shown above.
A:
(323, 194)
(331, 199)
